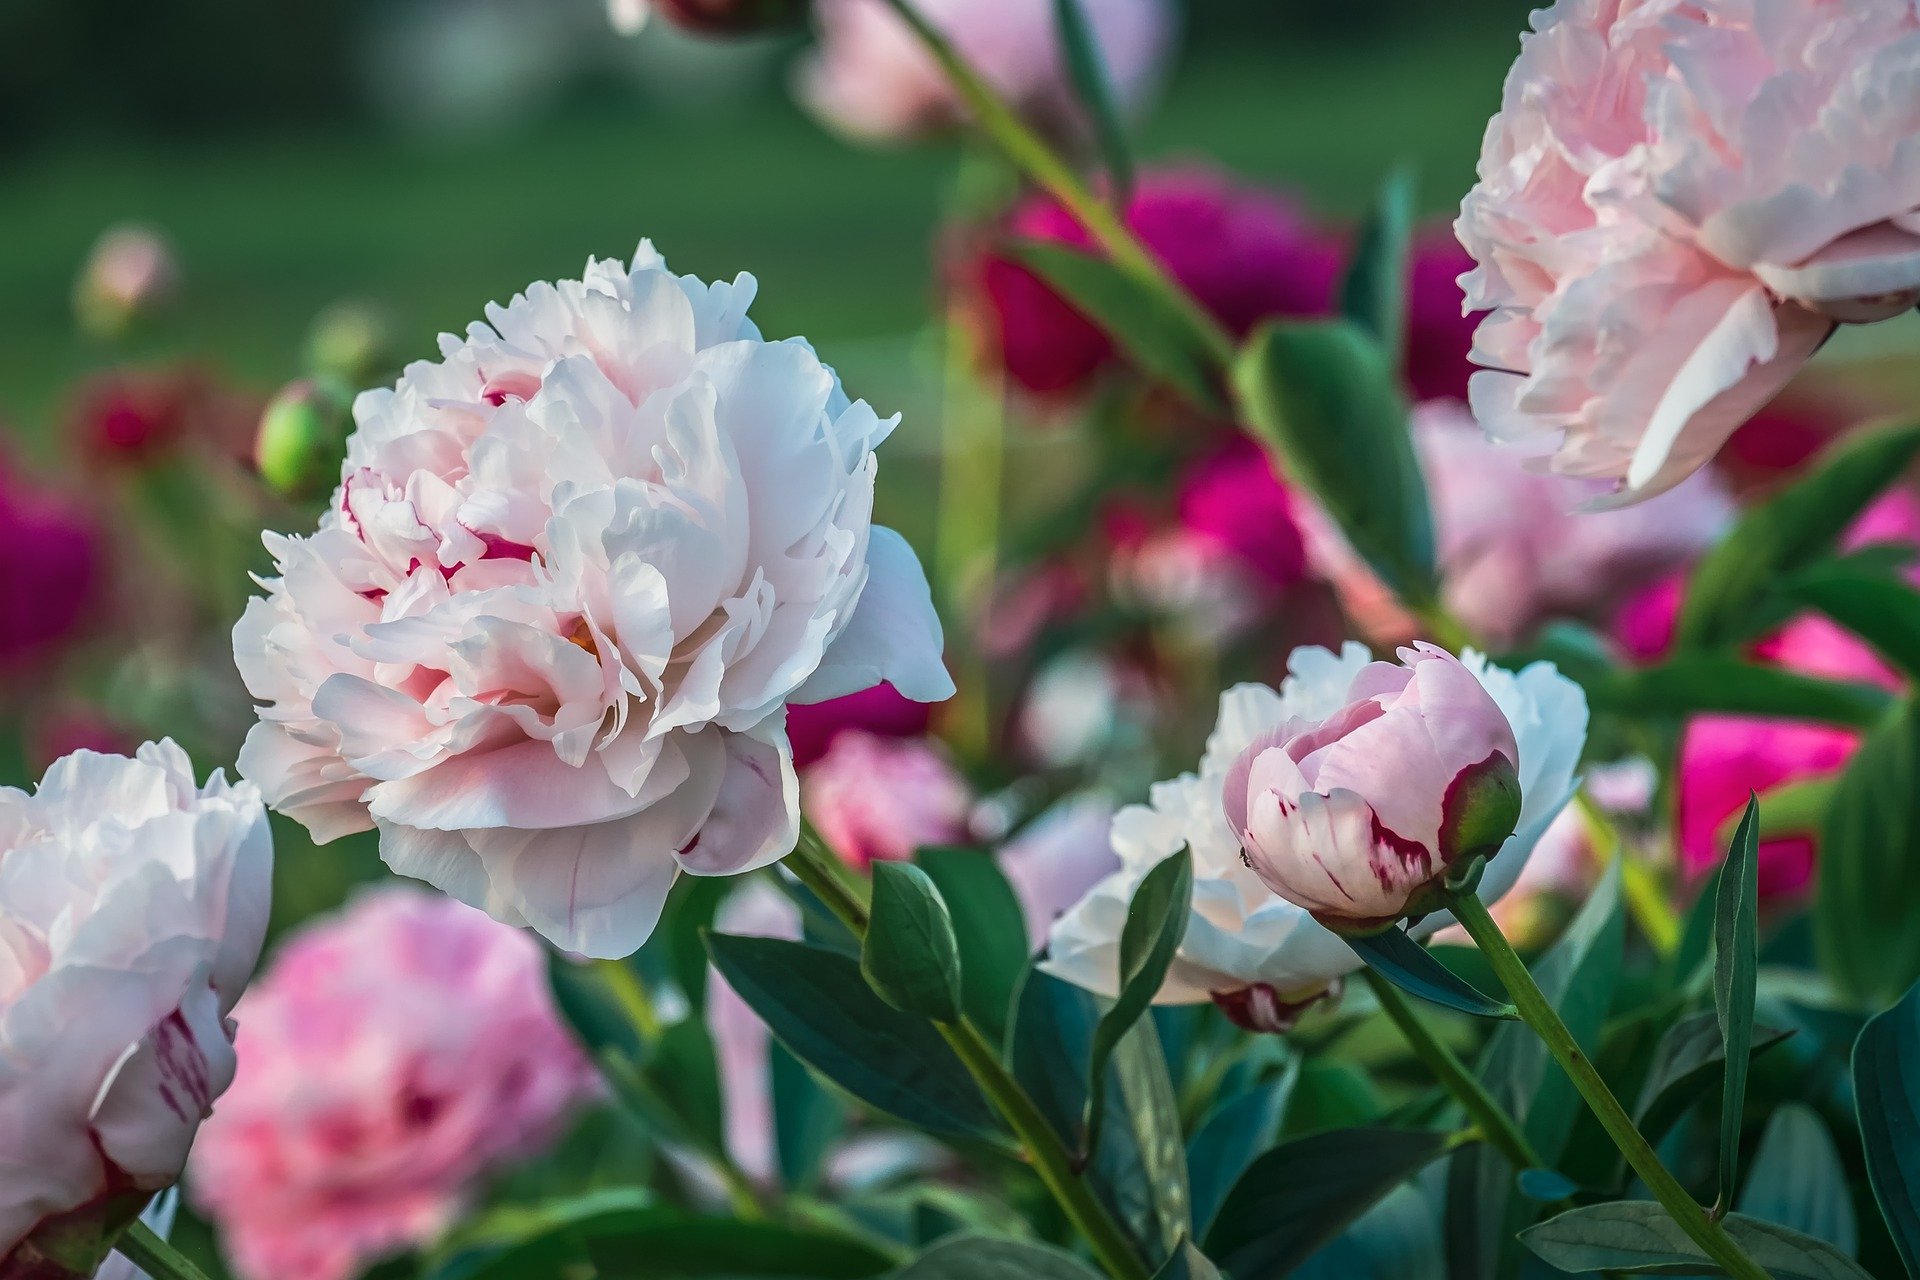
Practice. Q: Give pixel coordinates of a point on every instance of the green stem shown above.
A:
(1495, 1125)
(142, 1246)
(1043, 166)
(1646, 899)
(815, 866)
(1539, 1014)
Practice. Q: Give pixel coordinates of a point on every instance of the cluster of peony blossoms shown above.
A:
(133, 904)
(1677, 206)
(545, 637)
(391, 1057)
(1338, 799)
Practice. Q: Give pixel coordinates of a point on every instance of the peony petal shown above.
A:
(1870, 275)
(893, 637)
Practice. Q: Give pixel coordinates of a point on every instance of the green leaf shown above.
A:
(1397, 1239)
(1304, 1193)
(1798, 1181)
(1736, 969)
(807, 1119)
(1869, 879)
(590, 1009)
(989, 1258)
(1153, 335)
(1637, 1237)
(1880, 609)
(818, 1005)
(683, 1067)
(991, 930)
(1321, 395)
(668, 1246)
(1236, 1131)
(1886, 1087)
(1156, 923)
(1689, 1060)
(1187, 1263)
(910, 956)
(1373, 293)
(1693, 683)
(518, 1241)
(1727, 594)
(1411, 967)
(1093, 84)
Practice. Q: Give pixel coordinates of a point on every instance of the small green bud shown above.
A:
(303, 437)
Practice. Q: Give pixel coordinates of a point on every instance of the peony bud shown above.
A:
(1360, 815)
(303, 438)
(130, 272)
(731, 17)
(352, 342)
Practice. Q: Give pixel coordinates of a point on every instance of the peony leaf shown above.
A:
(1798, 1180)
(1709, 682)
(808, 1119)
(670, 1246)
(1187, 1263)
(1736, 971)
(1869, 879)
(1638, 1237)
(1373, 294)
(1879, 608)
(991, 1258)
(1228, 1140)
(1411, 967)
(1322, 397)
(990, 929)
(1689, 1060)
(1886, 1087)
(1093, 84)
(910, 956)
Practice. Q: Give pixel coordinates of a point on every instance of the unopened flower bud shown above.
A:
(303, 437)
(130, 272)
(351, 342)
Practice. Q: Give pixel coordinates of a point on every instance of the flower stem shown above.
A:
(815, 866)
(1494, 1124)
(1046, 169)
(1648, 902)
(142, 1246)
(1539, 1014)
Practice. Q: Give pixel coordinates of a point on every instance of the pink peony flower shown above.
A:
(882, 798)
(1244, 253)
(1676, 206)
(52, 572)
(546, 636)
(881, 710)
(1513, 551)
(1354, 816)
(391, 1058)
(132, 908)
(870, 78)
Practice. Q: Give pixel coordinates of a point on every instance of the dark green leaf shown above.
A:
(1797, 1180)
(1300, 1195)
(1546, 1185)
(910, 956)
(1156, 922)
(988, 1258)
(1886, 1086)
(1227, 1141)
(669, 1246)
(1736, 970)
(1187, 1263)
(1143, 1097)
(1397, 1239)
(1141, 323)
(682, 1066)
(1322, 397)
(1882, 610)
(1869, 878)
(1694, 683)
(991, 930)
(818, 1005)
(590, 1009)
(1637, 1237)
(807, 1119)
(1093, 83)
(1728, 590)
(1411, 967)
(1373, 293)
(519, 1241)
(1689, 1061)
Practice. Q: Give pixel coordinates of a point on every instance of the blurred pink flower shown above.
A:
(1056, 859)
(52, 571)
(131, 270)
(1245, 253)
(1439, 336)
(391, 1058)
(1514, 551)
(874, 798)
(870, 78)
(1676, 206)
(881, 710)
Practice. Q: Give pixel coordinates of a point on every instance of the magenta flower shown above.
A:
(881, 710)
(52, 571)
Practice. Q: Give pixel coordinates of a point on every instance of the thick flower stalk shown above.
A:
(1677, 205)
(132, 908)
(545, 637)
(1260, 957)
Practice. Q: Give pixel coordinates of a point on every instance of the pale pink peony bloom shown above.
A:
(1055, 860)
(545, 638)
(874, 798)
(1676, 206)
(1356, 815)
(132, 908)
(1513, 551)
(870, 77)
(1259, 957)
(391, 1058)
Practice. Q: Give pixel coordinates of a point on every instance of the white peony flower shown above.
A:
(1258, 956)
(132, 908)
(575, 571)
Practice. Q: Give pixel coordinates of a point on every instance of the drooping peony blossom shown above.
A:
(391, 1058)
(882, 798)
(1258, 956)
(1513, 550)
(1677, 204)
(881, 710)
(52, 572)
(132, 908)
(545, 637)
(870, 78)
